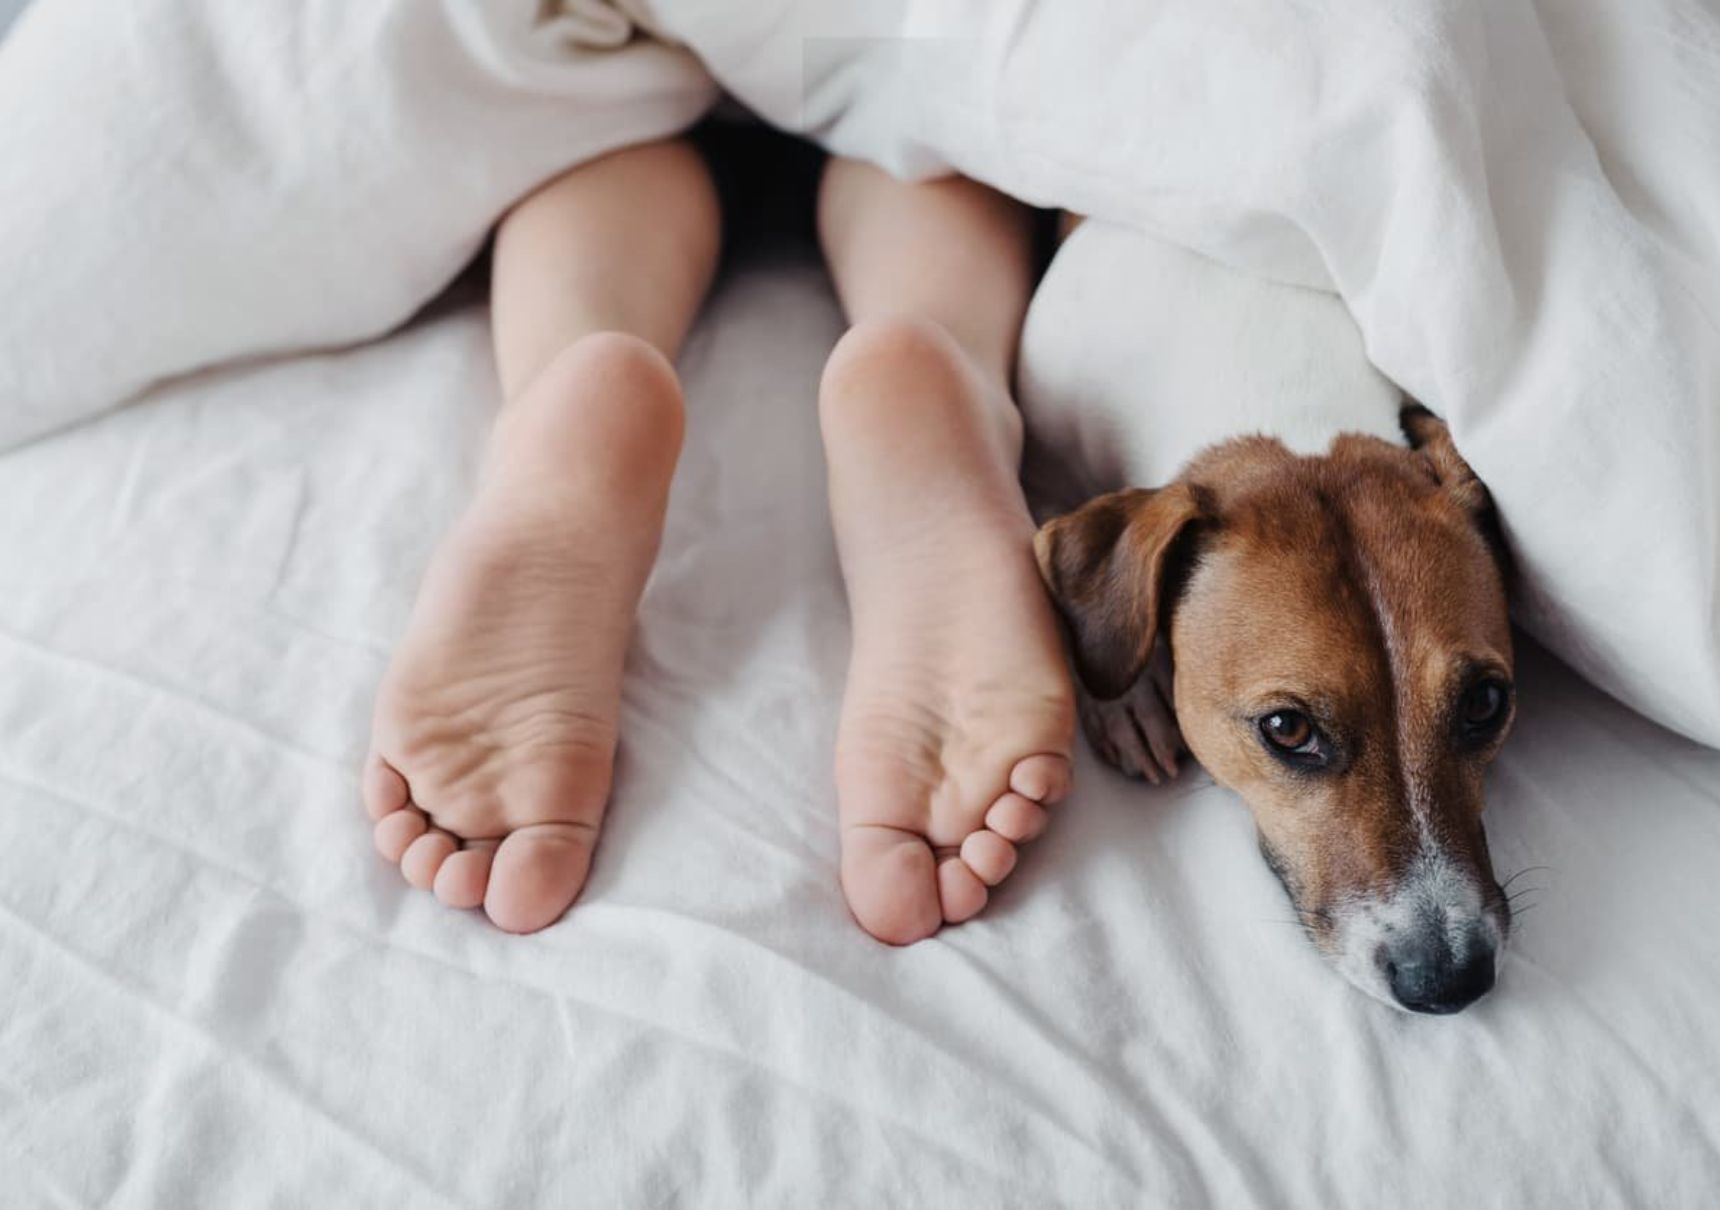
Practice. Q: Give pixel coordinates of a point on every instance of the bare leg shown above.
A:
(495, 727)
(959, 712)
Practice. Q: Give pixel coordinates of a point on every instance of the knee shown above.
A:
(889, 361)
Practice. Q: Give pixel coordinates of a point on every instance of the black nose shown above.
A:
(1432, 980)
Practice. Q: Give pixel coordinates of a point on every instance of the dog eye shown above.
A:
(1291, 735)
(1287, 728)
(1484, 707)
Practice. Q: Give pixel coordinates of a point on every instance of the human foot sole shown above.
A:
(495, 727)
(959, 714)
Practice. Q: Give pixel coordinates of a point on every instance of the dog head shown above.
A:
(1342, 661)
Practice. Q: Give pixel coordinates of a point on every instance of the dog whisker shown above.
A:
(1528, 869)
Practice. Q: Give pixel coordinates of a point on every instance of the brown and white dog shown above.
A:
(1340, 657)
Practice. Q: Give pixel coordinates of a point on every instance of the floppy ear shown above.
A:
(1105, 564)
(1431, 437)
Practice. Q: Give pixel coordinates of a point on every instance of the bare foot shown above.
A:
(959, 714)
(495, 727)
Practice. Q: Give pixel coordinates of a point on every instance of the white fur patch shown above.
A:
(1360, 926)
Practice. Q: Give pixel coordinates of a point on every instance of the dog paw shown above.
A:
(1137, 733)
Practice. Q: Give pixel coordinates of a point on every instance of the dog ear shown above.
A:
(1106, 565)
(1431, 437)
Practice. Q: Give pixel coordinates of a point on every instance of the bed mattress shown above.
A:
(213, 993)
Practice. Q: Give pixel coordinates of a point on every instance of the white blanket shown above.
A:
(214, 994)
(1518, 203)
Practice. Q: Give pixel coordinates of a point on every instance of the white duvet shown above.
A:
(213, 993)
(1518, 203)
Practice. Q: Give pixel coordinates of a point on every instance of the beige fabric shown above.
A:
(602, 24)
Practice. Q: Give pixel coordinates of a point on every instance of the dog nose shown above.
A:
(1431, 979)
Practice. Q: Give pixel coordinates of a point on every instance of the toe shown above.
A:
(890, 880)
(989, 856)
(960, 891)
(1016, 818)
(424, 856)
(465, 876)
(385, 791)
(1041, 778)
(397, 830)
(536, 874)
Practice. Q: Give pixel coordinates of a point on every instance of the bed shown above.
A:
(213, 993)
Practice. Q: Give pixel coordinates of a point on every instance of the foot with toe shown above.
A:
(495, 726)
(958, 718)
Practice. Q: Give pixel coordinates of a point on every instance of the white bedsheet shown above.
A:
(212, 993)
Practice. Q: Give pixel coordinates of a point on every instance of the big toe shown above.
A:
(536, 874)
(890, 879)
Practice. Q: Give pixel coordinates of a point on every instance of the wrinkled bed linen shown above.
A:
(212, 993)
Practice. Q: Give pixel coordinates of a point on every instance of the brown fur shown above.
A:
(1364, 588)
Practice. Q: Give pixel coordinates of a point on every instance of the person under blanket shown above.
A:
(496, 724)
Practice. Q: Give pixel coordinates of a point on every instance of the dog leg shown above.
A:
(1137, 733)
